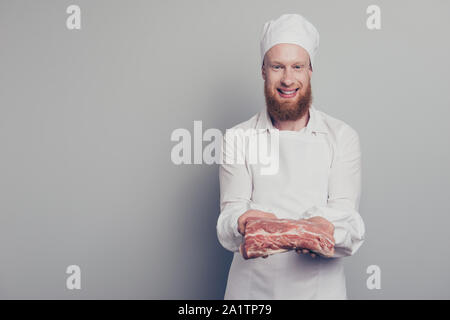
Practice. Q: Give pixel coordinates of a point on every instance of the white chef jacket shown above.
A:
(319, 175)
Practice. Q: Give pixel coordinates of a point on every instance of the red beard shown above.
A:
(288, 111)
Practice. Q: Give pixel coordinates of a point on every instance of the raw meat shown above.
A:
(264, 237)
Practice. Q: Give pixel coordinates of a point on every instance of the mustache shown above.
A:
(288, 110)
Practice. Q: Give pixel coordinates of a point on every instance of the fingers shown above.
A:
(241, 229)
(305, 251)
(300, 251)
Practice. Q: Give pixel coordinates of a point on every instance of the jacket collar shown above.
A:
(315, 124)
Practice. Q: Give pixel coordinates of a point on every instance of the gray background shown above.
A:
(86, 117)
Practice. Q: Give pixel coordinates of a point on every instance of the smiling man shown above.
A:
(319, 177)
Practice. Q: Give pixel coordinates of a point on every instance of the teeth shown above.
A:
(287, 92)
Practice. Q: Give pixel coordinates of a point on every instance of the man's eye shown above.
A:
(299, 67)
(276, 67)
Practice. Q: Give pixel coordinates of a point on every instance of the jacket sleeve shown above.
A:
(235, 191)
(236, 187)
(344, 191)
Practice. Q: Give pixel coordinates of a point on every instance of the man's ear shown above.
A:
(263, 72)
(310, 70)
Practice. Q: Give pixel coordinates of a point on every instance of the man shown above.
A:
(319, 176)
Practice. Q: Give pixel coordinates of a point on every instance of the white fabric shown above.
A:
(290, 28)
(319, 175)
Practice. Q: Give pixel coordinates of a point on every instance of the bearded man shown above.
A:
(318, 179)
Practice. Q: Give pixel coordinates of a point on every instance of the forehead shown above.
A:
(287, 53)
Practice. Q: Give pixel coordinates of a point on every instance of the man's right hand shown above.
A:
(252, 214)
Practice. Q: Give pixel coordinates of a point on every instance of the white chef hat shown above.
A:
(290, 28)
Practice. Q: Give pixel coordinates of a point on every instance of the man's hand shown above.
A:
(326, 225)
(252, 214)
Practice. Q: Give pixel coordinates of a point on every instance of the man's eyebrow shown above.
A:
(298, 62)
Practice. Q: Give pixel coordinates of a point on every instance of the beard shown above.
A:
(288, 110)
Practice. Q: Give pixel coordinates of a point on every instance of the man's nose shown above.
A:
(288, 78)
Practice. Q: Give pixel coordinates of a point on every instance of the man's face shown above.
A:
(287, 85)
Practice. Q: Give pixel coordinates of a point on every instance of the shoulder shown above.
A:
(243, 129)
(234, 140)
(338, 128)
(340, 134)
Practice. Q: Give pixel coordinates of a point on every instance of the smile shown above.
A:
(287, 93)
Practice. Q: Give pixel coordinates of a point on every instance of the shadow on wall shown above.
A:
(217, 260)
(230, 105)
